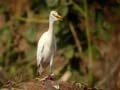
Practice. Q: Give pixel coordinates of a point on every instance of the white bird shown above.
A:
(47, 45)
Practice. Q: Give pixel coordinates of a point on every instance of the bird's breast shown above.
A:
(49, 48)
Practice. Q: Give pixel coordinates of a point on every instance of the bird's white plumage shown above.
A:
(47, 45)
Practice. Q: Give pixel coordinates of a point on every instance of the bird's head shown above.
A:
(54, 16)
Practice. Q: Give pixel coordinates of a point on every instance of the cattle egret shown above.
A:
(47, 45)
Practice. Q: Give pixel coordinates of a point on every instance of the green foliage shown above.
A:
(95, 51)
(52, 3)
(31, 33)
(69, 51)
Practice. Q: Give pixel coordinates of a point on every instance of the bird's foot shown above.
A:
(49, 77)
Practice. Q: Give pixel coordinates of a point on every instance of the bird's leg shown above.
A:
(51, 62)
(40, 69)
(50, 76)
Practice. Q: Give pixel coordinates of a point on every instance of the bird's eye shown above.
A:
(54, 14)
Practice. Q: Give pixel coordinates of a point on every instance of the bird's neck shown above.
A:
(50, 30)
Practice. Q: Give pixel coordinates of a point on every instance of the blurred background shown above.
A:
(88, 40)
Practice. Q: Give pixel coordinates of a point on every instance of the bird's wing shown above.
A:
(39, 53)
(40, 50)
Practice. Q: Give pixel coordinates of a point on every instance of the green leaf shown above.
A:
(69, 51)
(95, 51)
(108, 26)
(63, 10)
(56, 28)
(13, 70)
(52, 3)
(5, 29)
(66, 2)
(106, 36)
(78, 8)
(1, 59)
(30, 34)
(77, 76)
(30, 54)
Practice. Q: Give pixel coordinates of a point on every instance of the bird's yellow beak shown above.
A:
(58, 17)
